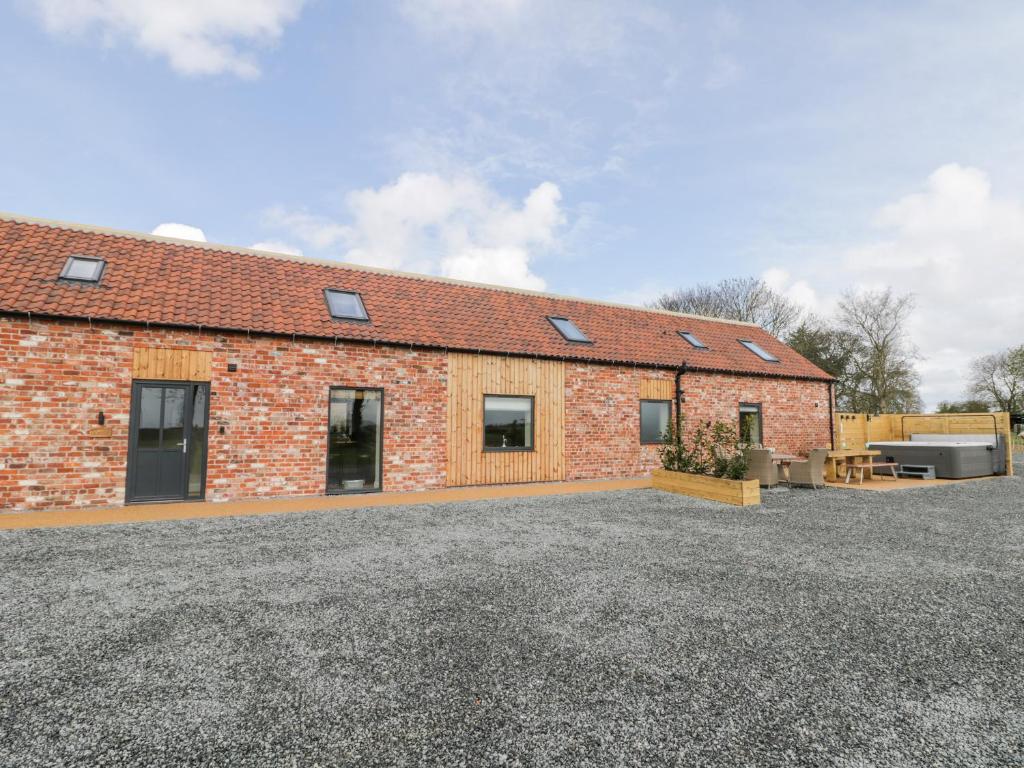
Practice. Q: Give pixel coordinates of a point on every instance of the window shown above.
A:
(654, 416)
(751, 432)
(508, 423)
(693, 340)
(568, 329)
(345, 305)
(757, 350)
(83, 269)
(354, 434)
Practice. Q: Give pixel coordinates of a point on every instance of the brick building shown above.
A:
(141, 368)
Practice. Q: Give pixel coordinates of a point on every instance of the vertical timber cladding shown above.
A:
(472, 376)
(657, 389)
(160, 364)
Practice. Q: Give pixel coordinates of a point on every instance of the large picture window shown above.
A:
(751, 428)
(508, 423)
(654, 416)
(354, 440)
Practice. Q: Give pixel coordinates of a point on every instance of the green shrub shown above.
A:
(712, 450)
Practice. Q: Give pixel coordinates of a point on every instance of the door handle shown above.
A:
(184, 445)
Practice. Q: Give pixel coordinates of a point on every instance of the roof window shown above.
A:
(345, 305)
(759, 351)
(568, 329)
(693, 340)
(83, 269)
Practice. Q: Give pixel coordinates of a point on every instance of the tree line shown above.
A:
(864, 345)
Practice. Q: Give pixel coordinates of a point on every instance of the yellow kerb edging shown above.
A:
(141, 513)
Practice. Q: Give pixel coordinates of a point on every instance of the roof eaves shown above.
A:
(417, 345)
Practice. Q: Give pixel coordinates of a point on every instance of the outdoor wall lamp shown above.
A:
(101, 418)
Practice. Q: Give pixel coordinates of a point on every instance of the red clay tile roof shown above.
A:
(161, 281)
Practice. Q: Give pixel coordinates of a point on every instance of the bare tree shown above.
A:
(999, 379)
(834, 351)
(738, 298)
(882, 375)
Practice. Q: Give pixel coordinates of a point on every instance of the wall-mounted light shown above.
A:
(101, 418)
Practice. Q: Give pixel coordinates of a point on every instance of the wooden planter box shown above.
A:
(743, 493)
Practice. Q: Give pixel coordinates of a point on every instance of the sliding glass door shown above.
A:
(354, 437)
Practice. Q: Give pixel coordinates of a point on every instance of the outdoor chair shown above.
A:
(810, 472)
(760, 467)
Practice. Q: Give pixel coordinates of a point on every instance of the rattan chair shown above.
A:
(810, 472)
(760, 467)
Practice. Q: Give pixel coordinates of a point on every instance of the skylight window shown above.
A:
(83, 269)
(345, 305)
(759, 351)
(568, 329)
(693, 340)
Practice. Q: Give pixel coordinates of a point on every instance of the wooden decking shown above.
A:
(886, 483)
(140, 513)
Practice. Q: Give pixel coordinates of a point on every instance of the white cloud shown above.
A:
(960, 249)
(180, 231)
(800, 292)
(453, 226)
(276, 246)
(197, 37)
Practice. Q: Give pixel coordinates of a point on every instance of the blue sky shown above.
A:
(605, 149)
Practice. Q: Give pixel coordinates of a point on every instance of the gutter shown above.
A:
(412, 345)
(679, 397)
(831, 417)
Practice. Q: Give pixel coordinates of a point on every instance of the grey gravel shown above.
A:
(829, 628)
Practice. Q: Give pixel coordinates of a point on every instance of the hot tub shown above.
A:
(953, 456)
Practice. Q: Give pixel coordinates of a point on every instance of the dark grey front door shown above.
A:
(167, 448)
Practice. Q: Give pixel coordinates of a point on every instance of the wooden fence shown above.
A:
(853, 430)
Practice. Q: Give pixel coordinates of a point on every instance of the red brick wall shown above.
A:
(56, 376)
(602, 419)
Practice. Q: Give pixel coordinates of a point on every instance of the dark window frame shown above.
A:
(133, 437)
(346, 318)
(327, 444)
(585, 340)
(533, 424)
(693, 341)
(64, 273)
(770, 359)
(760, 420)
(643, 400)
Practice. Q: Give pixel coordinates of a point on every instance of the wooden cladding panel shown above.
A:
(171, 364)
(657, 389)
(470, 377)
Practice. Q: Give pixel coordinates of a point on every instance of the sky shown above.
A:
(607, 149)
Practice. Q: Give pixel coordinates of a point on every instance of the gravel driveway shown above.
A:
(829, 628)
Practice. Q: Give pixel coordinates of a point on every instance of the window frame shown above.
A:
(345, 318)
(380, 443)
(585, 340)
(659, 441)
(760, 354)
(65, 272)
(693, 341)
(533, 424)
(760, 421)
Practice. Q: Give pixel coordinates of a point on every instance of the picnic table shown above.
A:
(842, 457)
(784, 460)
